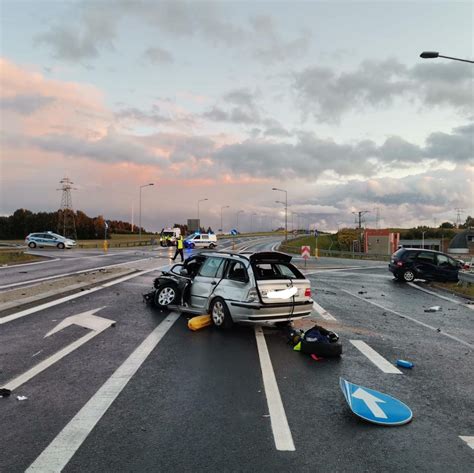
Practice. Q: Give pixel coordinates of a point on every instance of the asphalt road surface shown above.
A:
(147, 394)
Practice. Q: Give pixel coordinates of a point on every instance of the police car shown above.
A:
(41, 240)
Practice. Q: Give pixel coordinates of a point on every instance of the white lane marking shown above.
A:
(280, 428)
(87, 320)
(32, 281)
(403, 316)
(323, 312)
(29, 264)
(468, 439)
(378, 360)
(454, 301)
(58, 453)
(47, 305)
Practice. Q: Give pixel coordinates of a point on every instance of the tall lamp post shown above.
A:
(251, 221)
(140, 212)
(435, 54)
(223, 207)
(236, 228)
(199, 201)
(286, 210)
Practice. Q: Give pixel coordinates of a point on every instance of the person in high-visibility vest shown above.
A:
(179, 248)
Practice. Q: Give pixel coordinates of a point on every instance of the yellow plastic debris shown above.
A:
(199, 322)
(297, 347)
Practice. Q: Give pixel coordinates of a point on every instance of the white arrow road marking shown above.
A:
(58, 453)
(468, 439)
(87, 320)
(378, 360)
(371, 402)
(280, 428)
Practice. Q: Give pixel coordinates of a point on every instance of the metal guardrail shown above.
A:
(338, 254)
(466, 277)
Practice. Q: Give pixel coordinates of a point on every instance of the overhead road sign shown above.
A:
(374, 406)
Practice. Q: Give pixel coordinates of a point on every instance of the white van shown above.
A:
(201, 240)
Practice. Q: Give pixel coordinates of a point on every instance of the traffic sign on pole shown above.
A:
(375, 406)
(305, 252)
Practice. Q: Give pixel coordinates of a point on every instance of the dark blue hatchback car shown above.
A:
(408, 264)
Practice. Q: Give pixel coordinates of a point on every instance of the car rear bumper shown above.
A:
(258, 313)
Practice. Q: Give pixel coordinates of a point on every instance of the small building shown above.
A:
(193, 225)
(463, 243)
(380, 241)
(427, 244)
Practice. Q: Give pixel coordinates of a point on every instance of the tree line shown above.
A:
(23, 222)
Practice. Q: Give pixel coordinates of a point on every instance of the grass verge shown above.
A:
(16, 257)
(455, 288)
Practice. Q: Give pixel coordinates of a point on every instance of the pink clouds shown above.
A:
(54, 106)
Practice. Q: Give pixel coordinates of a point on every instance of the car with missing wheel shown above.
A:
(408, 264)
(261, 287)
(48, 239)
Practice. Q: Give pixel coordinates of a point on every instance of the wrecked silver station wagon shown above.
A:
(233, 287)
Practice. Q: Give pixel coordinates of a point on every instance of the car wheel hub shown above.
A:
(409, 276)
(166, 296)
(218, 313)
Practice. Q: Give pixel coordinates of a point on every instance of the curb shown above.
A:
(451, 292)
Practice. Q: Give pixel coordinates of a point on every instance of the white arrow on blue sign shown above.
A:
(375, 406)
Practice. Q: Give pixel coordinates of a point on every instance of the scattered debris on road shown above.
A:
(405, 364)
(4, 392)
(435, 308)
(362, 292)
(316, 341)
(21, 398)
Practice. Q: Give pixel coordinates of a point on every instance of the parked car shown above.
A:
(231, 287)
(201, 240)
(49, 239)
(408, 264)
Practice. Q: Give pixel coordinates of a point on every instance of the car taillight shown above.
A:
(307, 292)
(399, 263)
(252, 295)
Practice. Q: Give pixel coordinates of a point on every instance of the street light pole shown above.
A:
(236, 228)
(286, 210)
(435, 54)
(423, 240)
(251, 221)
(223, 207)
(199, 222)
(140, 212)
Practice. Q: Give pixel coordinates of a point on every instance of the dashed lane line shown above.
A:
(279, 422)
(378, 360)
(60, 451)
(454, 301)
(416, 321)
(468, 439)
(47, 305)
(323, 312)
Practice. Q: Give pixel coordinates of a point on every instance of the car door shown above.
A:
(206, 281)
(425, 265)
(447, 268)
(235, 283)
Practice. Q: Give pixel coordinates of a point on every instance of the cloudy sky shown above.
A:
(225, 100)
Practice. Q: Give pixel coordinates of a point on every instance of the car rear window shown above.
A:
(276, 271)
